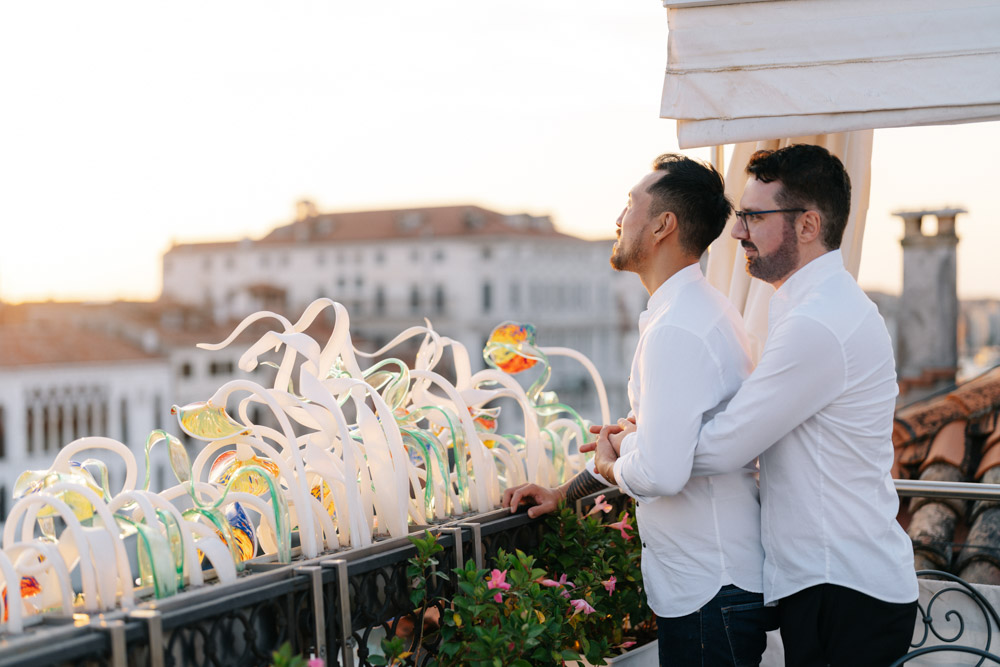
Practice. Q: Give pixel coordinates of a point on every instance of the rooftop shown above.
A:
(311, 226)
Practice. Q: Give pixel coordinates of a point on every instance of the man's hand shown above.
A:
(604, 460)
(624, 427)
(542, 499)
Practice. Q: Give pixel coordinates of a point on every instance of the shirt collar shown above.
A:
(667, 292)
(800, 283)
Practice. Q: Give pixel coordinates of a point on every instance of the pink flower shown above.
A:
(498, 580)
(625, 645)
(580, 605)
(609, 584)
(316, 662)
(623, 525)
(561, 582)
(600, 506)
(498, 598)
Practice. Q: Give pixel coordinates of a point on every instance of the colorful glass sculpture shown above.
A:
(511, 348)
(227, 464)
(206, 421)
(244, 533)
(322, 493)
(35, 481)
(29, 588)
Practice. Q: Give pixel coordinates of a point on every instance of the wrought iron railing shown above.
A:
(340, 605)
(336, 607)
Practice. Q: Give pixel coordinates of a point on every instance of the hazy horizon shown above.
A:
(132, 127)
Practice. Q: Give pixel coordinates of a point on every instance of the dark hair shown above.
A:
(695, 193)
(811, 178)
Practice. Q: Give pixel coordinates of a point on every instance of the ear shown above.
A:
(664, 225)
(812, 226)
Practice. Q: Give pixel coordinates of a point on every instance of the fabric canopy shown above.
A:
(769, 69)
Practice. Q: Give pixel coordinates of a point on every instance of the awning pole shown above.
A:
(719, 158)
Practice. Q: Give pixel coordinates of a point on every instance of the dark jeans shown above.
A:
(728, 630)
(834, 625)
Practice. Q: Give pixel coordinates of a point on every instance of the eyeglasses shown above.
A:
(754, 216)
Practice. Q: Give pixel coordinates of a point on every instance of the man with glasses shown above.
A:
(818, 411)
(701, 552)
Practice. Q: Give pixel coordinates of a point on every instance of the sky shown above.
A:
(128, 126)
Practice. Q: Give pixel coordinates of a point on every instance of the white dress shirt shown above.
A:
(818, 410)
(703, 533)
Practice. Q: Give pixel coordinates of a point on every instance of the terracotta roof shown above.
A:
(115, 328)
(953, 437)
(917, 424)
(435, 221)
(32, 345)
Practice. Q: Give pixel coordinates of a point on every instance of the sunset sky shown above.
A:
(126, 126)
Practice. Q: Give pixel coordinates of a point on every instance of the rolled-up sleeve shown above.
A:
(679, 383)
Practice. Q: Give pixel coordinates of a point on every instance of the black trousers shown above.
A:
(834, 625)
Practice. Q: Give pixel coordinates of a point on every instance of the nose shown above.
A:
(621, 216)
(738, 231)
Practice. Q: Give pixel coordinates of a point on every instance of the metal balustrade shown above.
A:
(339, 605)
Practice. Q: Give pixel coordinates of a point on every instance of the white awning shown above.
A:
(749, 71)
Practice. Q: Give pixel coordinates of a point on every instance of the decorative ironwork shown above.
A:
(952, 620)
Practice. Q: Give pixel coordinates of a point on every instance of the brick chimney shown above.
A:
(927, 339)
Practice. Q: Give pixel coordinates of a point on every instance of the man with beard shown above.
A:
(701, 552)
(818, 411)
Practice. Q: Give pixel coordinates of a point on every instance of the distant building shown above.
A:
(59, 383)
(464, 268)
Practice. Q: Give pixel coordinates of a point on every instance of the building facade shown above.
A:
(464, 268)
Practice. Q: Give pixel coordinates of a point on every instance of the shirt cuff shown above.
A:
(628, 444)
(623, 483)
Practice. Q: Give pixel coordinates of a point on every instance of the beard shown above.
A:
(626, 259)
(780, 263)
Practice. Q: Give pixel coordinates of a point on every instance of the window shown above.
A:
(487, 252)
(220, 368)
(414, 255)
(186, 369)
(439, 255)
(515, 296)
(29, 419)
(158, 416)
(379, 257)
(414, 300)
(439, 299)
(3, 439)
(46, 428)
(487, 297)
(320, 258)
(379, 300)
(124, 420)
(60, 427)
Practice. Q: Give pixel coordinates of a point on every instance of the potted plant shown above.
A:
(578, 599)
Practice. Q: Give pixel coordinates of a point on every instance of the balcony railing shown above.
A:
(339, 606)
